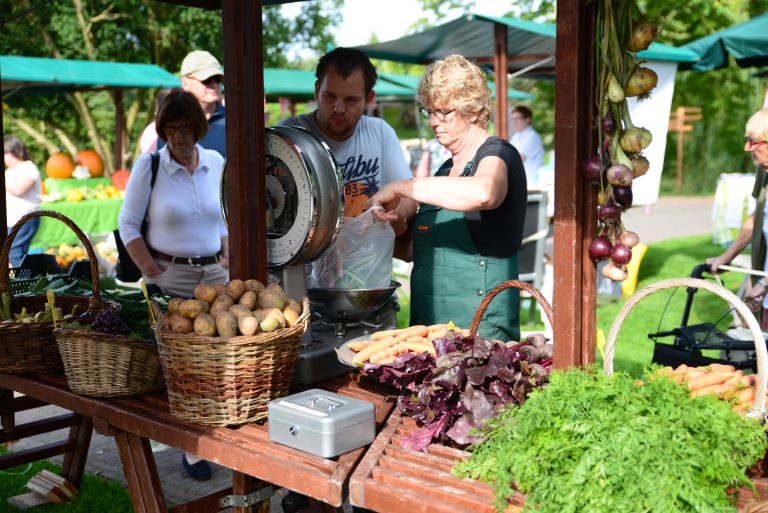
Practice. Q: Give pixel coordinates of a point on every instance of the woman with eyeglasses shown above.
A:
(469, 225)
(754, 230)
(185, 242)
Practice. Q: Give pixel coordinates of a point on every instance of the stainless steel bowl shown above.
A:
(349, 304)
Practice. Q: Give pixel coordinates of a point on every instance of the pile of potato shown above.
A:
(236, 308)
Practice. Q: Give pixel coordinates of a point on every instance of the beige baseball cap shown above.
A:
(200, 65)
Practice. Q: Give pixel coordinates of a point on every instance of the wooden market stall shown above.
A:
(247, 450)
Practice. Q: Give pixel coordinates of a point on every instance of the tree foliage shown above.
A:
(140, 31)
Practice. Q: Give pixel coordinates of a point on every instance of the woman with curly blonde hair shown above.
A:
(469, 225)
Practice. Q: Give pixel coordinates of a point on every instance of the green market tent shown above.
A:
(412, 81)
(300, 84)
(46, 75)
(747, 42)
(530, 44)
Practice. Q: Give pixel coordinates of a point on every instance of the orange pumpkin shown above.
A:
(91, 160)
(120, 179)
(59, 165)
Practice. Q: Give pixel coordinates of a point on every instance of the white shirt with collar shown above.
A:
(528, 143)
(184, 214)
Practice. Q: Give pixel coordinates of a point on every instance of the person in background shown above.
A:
(148, 139)
(528, 142)
(754, 230)
(23, 188)
(202, 75)
(186, 242)
(432, 157)
(366, 148)
(471, 214)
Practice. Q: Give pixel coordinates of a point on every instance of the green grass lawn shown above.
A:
(663, 310)
(97, 494)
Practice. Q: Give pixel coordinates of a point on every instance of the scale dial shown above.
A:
(304, 189)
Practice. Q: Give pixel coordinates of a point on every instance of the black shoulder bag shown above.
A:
(126, 269)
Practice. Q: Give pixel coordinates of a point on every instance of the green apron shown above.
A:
(450, 277)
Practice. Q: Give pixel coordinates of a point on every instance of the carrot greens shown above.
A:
(590, 442)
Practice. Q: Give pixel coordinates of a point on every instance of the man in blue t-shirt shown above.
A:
(202, 75)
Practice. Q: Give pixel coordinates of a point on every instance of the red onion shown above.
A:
(609, 213)
(593, 168)
(623, 196)
(606, 123)
(629, 239)
(640, 165)
(621, 254)
(599, 249)
(619, 174)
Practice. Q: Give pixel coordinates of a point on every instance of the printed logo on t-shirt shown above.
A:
(361, 181)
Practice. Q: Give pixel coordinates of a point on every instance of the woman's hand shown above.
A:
(755, 296)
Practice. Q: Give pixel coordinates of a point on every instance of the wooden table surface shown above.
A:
(245, 449)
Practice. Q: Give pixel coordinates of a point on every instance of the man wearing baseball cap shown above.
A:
(202, 75)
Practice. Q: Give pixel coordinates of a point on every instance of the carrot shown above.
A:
(711, 390)
(369, 350)
(713, 378)
(749, 380)
(414, 331)
(694, 373)
(681, 369)
(735, 379)
(358, 345)
(663, 371)
(677, 378)
(745, 395)
(722, 367)
(379, 335)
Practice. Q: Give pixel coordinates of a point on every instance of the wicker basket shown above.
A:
(510, 284)
(102, 365)
(31, 347)
(758, 405)
(222, 381)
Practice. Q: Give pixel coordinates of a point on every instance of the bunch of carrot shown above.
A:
(385, 346)
(721, 380)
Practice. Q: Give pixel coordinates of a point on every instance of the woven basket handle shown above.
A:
(510, 284)
(758, 405)
(94, 302)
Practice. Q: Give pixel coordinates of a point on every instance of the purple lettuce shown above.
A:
(470, 379)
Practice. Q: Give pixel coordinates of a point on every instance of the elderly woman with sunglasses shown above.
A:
(185, 243)
(754, 230)
(469, 225)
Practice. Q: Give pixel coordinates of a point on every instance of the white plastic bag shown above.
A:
(359, 258)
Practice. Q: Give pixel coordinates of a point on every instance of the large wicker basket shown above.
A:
(31, 347)
(501, 287)
(221, 381)
(748, 501)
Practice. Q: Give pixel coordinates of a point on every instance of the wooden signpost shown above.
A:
(678, 122)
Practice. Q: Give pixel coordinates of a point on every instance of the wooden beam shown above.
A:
(246, 142)
(575, 199)
(500, 64)
(119, 128)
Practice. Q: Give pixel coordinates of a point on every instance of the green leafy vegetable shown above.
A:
(587, 442)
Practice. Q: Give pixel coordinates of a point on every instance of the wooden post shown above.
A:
(246, 141)
(500, 65)
(677, 123)
(575, 197)
(119, 128)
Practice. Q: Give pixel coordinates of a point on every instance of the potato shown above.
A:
(206, 293)
(226, 324)
(260, 314)
(220, 289)
(167, 318)
(254, 286)
(291, 316)
(181, 324)
(248, 325)
(205, 325)
(271, 299)
(191, 308)
(270, 323)
(174, 305)
(278, 314)
(275, 287)
(292, 303)
(235, 289)
(221, 304)
(239, 311)
(249, 299)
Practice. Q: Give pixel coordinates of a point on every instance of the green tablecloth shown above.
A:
(91, 216)
(62, 185)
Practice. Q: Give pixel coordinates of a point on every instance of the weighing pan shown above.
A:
(349, 304)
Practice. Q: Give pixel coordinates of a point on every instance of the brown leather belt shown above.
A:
(198, 260)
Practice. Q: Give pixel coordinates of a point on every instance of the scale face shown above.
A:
(306, 201)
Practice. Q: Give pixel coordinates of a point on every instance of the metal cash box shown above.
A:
(322, 423)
